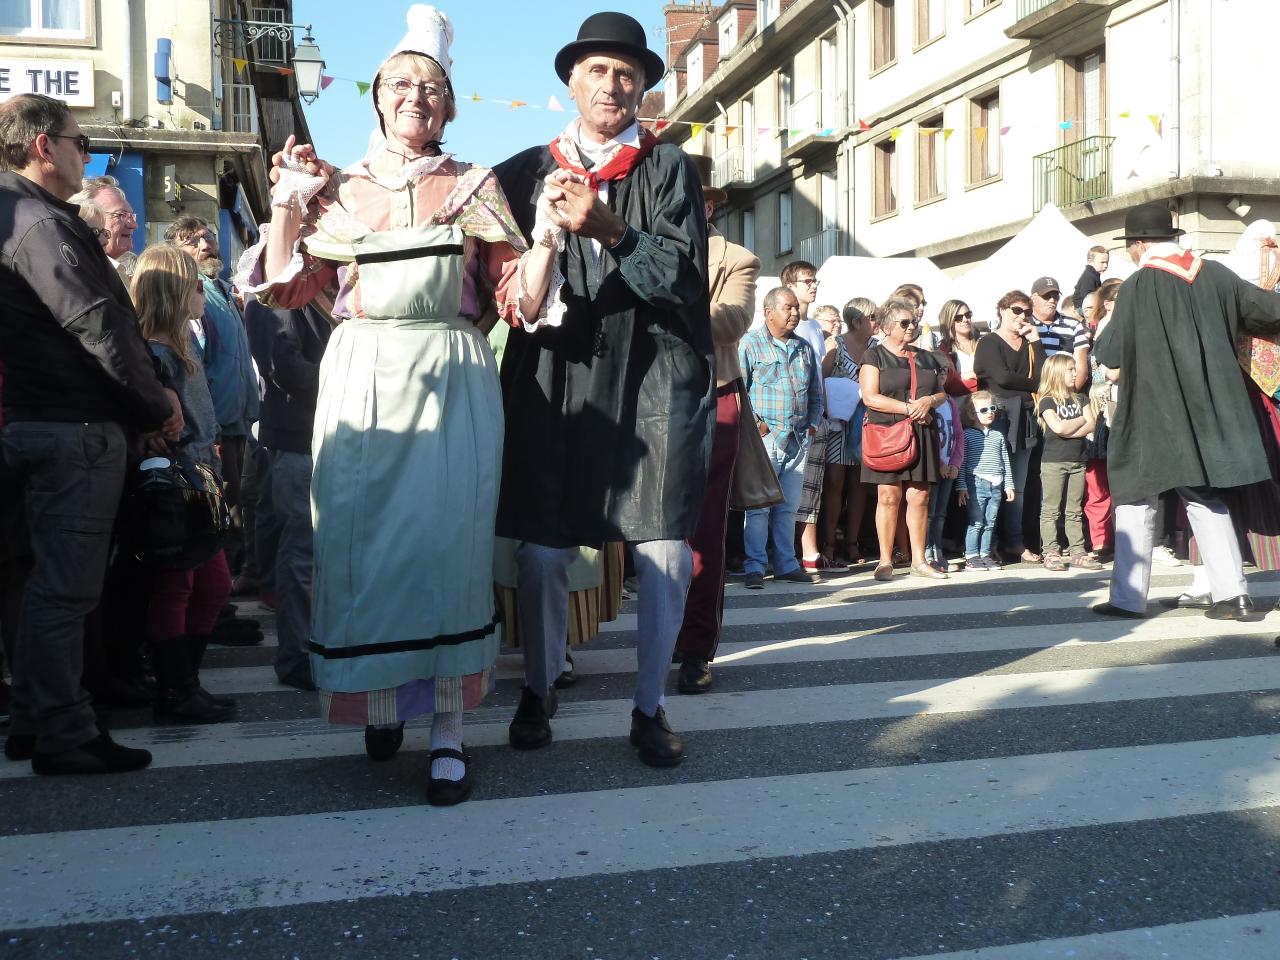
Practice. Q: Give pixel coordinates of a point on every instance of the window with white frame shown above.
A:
(51, 19)
(984, 138)
(766, 12)
(727, 29)
(693, 67)
(975, 7)
(670, 91)
(930, 20)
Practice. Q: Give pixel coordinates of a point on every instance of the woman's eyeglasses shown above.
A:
(401, 87)
(905, 324)
(963, 317)
(1017, 311)
(984, 409)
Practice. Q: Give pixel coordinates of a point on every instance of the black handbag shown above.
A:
(174, 518)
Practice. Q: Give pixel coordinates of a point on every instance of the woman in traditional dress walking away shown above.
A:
(408, 429)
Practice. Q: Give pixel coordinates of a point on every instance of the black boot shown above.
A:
(695, 674)
(531, 726)
(179, 697)
(197, 646)
(659, 745)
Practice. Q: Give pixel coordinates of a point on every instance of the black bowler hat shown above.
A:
(1149, 221)
(611, 33)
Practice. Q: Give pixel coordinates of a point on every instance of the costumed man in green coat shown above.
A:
(1183, 420)
(610, 394)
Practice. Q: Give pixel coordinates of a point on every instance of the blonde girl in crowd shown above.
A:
(1066, 419)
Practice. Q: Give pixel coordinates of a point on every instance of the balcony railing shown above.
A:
(818, 248)
(1075, 173)
(728, 168)
(241, 108)
(1027, 7)
(817, 111)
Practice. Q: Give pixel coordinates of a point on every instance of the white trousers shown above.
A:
(1215, 538)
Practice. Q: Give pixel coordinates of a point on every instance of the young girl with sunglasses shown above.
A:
(1067, 418)
(184, 605)
(987, 476)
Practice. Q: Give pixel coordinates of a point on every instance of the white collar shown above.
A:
(629, 137)
(1165, 248)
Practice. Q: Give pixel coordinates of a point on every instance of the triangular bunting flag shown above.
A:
(1064, 125)
(826, 131)
(795, 133)
(729, 131)
(1155, 119)
(325, 80)
(761, 131)
(661, 124)
(517, 104)
(1005, 130)
(239, 64)
(284, 71)
(362, 87)
(947, 132)
(1125, 114)
(554, 104)
(476, 98)
(696, 128)
(981, 134)
(863, 125)
(895, 133)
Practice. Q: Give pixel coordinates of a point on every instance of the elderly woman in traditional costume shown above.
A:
(415, 245)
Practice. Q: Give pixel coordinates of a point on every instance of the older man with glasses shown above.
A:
(119, 219)
(1058, 332)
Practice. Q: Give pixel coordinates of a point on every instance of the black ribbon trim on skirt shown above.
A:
(410, 253)
(403, 646)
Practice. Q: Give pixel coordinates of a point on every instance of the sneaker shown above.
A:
(754, 581)
(1054, 562)
(795, 576)
(1083, 561)
(822, 567)
(977, 563)
(1165, 557)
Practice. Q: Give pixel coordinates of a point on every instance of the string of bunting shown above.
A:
(695, 129)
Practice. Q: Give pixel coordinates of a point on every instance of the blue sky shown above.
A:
(502, 49)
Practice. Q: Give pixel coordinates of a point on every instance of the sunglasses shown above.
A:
(984, 409)
(1051, 295)
(809, 281)
(963, 316)
(81, 140)
(904, 324)
(1017, 311)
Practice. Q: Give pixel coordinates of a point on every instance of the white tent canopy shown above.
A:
(1050, 245)
(843, 278)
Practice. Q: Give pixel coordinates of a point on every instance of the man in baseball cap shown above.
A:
(1058, 332)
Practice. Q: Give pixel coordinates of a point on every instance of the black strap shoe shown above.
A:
(658, 744)
(1237, 608)
(695, 675)
(1188, 601)
(1111, 610)
(531, 726)
(99, 755)
(382, 744)
(445, 793)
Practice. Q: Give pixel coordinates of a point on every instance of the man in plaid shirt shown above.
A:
(784, 381)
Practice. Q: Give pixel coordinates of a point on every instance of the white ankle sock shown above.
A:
(446, 733)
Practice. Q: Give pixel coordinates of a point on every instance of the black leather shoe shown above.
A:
(299, 680)
(531, 726)
(99, 755)
(445, 793)
(1187, 601)
(236, 632)
(695, 675)
(1111, 610)
(567, 677)
(658, 744)
(190, 704)
(382, 745)
(19, 746)
(1237, 608)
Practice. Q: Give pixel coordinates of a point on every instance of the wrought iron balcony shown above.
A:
(1071, 174)
(728, 168)
(823, 245)
(1039, 18)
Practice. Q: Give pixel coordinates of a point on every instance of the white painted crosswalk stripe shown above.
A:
(176, 869)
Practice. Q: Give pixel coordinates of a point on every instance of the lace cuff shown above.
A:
(553, 307)
(250, 270)
(295, 185)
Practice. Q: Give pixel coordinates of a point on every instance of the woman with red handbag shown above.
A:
(901, 387)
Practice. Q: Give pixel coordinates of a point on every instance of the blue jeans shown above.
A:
(780, 520)
(939, 500)
(984, 507)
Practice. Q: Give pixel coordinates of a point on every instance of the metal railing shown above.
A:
(818, 248)
(1075, 173)
(727, 168)
(241, 108)
(1027, 7)
(817, 111)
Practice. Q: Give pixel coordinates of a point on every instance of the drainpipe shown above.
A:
(1175, 90)
(844, 153)
(126, 79)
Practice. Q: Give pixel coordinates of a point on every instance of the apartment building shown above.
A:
(184, 101)
(938, 128)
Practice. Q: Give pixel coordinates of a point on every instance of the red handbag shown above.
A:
(888, 448)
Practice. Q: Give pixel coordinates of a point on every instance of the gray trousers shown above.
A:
(291, 510)
(70, 476)
(663, 569)
(1062, 496)
(1215, 536)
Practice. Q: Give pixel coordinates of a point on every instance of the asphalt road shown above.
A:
(975, 770)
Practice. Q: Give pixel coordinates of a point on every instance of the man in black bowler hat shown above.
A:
(1183, 421)
(610, 394)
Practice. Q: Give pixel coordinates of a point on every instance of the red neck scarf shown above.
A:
(620, 161)
(1184, 266)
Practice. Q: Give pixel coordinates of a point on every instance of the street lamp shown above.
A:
(308, 68)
